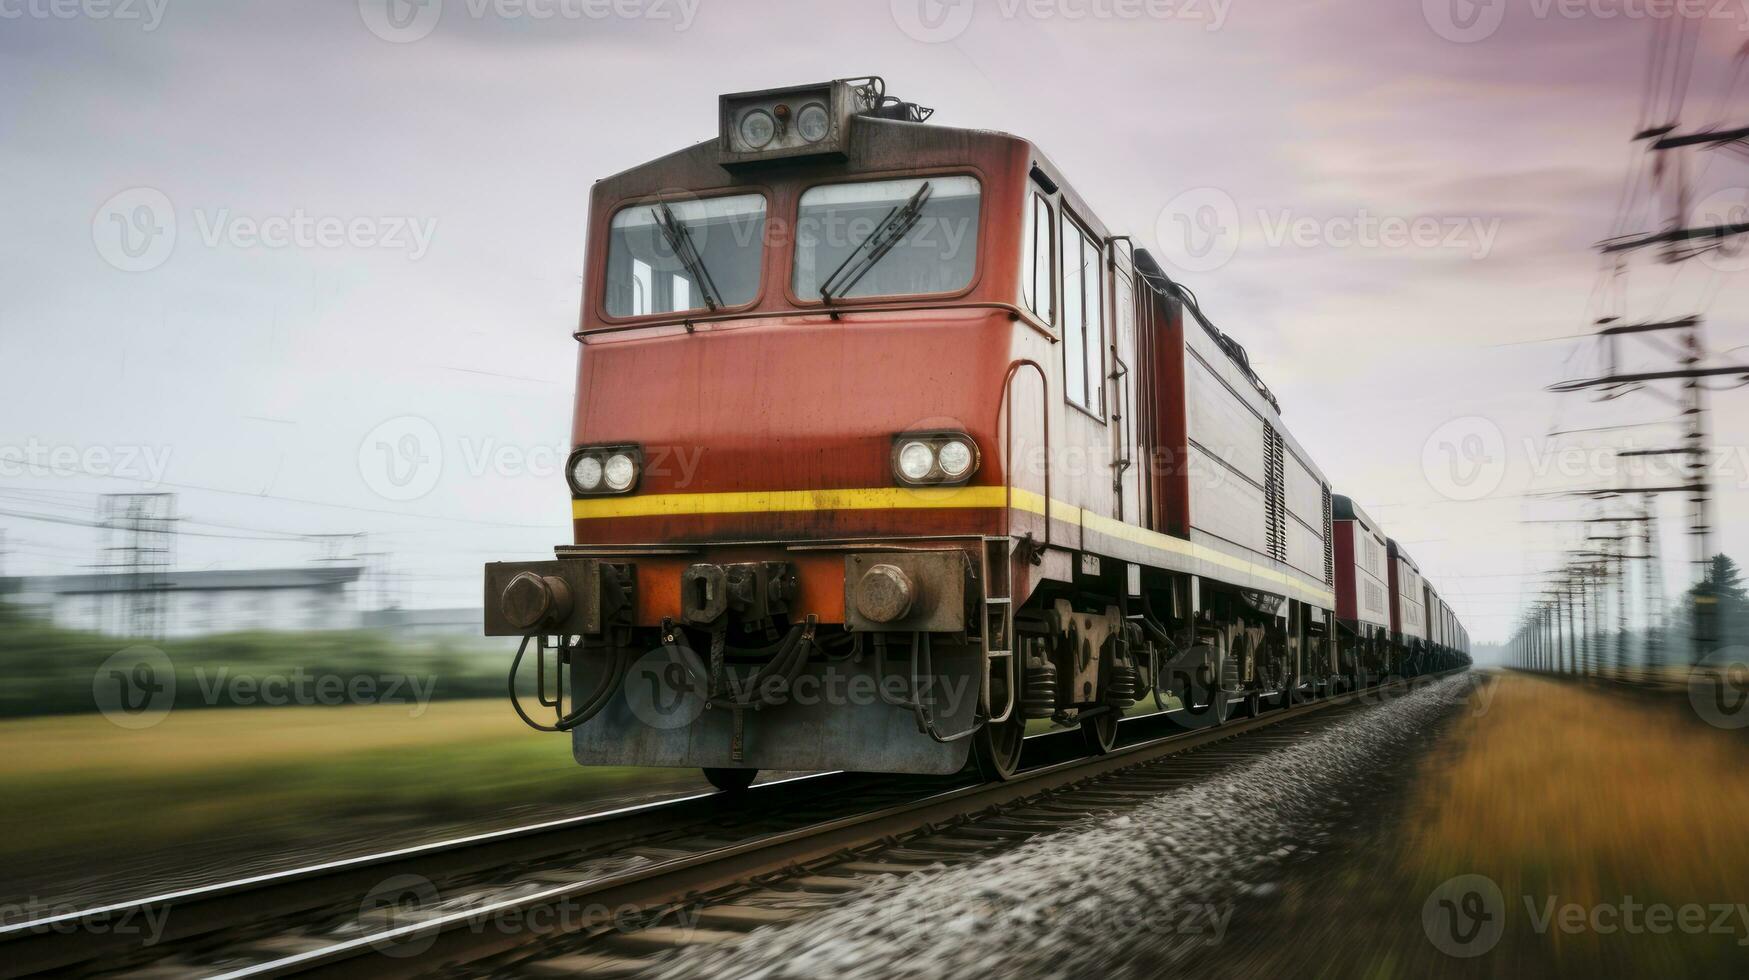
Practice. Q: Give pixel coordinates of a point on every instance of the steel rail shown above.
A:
(469, 935)
(71, 938)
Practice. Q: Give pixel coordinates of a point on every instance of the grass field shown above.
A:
(79, 788)
(1564, 793)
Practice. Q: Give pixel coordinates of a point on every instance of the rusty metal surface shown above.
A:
(938, 580)
(582, 576)
(834, 717)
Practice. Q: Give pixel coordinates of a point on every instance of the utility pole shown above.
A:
(141, 545)
(1694, 449)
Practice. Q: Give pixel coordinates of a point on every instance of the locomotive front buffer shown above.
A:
(747, 663)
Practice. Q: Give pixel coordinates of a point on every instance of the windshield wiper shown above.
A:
(893, 228)
(680, 242)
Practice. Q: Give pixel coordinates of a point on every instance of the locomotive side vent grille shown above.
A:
(1275, 505)
(1329, 542)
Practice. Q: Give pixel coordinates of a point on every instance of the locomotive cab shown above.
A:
(790, 521)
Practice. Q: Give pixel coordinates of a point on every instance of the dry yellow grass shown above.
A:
(1559, 792)
(1561, 788)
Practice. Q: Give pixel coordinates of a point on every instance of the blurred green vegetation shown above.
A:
(50, 671)
(203, 786)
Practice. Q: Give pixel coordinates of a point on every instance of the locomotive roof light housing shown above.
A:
(786, 123)
(605, 470)
(941, 458)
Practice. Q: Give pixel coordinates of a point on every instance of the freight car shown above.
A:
(885, 445)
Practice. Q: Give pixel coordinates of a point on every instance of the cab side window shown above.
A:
(1035, 270)
(1083, 317)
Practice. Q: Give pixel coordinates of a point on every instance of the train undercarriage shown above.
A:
(926, 670)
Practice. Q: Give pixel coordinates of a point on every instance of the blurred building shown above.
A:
(428, 623)
(192, 603)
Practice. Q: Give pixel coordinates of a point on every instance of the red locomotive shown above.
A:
(886, 444)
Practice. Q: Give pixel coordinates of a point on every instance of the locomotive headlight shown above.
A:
(619, 471)
(916, 460)
(924, 459)
(955, 458)
(813, 122)
(758, 128)
(598, 470)
(586, 473)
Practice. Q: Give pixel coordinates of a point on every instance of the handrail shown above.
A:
(1008, 444)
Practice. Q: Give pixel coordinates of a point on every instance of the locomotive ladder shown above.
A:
(996, 629)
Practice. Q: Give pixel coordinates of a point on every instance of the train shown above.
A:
(887, 447)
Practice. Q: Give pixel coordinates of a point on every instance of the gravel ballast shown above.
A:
(1126, 895)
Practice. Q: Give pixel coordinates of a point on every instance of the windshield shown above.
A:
(707, 258)
(937, 255)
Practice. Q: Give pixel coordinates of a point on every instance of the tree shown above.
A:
(1724, 581)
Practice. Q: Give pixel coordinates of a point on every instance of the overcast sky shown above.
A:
(155, 321)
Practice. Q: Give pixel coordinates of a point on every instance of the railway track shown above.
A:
(613, 880)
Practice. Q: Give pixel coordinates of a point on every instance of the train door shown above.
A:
(1162, 477)
(1121, 381)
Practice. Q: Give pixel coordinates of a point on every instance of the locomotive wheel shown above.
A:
(996, 747)
(1100, 731)
(730, 780)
